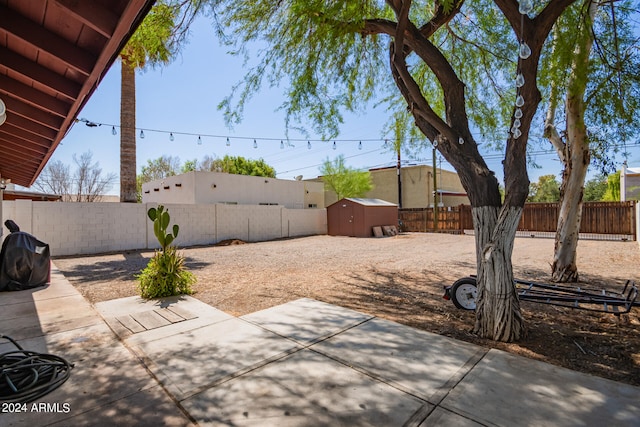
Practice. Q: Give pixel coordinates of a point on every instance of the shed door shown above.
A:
(345, 227)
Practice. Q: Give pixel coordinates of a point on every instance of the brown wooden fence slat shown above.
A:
(597, 218)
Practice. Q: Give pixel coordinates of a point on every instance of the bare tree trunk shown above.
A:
(564, 268)
(575, 155)
(128, 189)
(498, 315)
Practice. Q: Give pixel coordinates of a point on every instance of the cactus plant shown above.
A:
(161, 220)
(165, 275)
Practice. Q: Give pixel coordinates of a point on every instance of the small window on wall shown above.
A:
(268, 204)
(312, 205)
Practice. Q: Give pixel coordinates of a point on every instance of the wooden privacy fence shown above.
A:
(617, 219)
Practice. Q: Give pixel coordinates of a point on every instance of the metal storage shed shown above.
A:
(356, 217)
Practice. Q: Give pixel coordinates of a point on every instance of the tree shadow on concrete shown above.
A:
(596, 343)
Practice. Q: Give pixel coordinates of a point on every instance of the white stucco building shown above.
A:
(215, 187)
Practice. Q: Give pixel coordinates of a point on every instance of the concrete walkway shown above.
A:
(305, 363)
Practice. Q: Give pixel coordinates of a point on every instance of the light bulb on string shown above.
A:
(171, 137)
(518, 113)
(517, 134)
(309, 145)
(460, 140)
(360, 145)
(199, 140)
(141, 134)
(334, 145)
(228, 142)
(113, 130)
(435, 143)
(519, 101)
(526, 6)
(519, 80)
(255, 144)
(516, 124)
(281, 144)
(386, 143)
(525, 50)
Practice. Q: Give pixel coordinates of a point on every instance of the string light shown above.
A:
(309, 145)
(526, 6)
(227, 139)
(460, 140)
(524, 52)
(199, 140)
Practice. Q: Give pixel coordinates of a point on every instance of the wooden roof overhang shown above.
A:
(53, 54)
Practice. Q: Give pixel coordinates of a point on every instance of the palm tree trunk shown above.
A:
(128, 189)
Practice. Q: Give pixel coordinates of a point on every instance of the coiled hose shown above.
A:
(26, 376)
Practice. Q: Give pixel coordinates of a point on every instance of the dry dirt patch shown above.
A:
(399, 278)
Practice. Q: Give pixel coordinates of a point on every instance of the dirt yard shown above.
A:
(399, 278)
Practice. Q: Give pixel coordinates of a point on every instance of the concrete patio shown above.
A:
(305, 363)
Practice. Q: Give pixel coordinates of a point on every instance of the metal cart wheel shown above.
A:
(464, 293)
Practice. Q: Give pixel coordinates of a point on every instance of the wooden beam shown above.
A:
(13, 157)
(32, 127)
(26, 151)
(43, 75)
(32, 33)
(38, 99)
(29, 112)
(29, 138)
(92, 14)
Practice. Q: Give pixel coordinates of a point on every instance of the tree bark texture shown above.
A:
(128, 188)
(575, 157)
(498, 315)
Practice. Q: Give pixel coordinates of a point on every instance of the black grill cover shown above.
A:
(25, 262)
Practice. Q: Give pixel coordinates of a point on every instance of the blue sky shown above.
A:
(183, 97)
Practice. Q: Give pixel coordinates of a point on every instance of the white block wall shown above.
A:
(89, 228)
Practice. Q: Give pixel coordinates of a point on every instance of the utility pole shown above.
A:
(435, 192)
(398, 168)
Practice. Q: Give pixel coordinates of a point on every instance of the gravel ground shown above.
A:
(399, 278)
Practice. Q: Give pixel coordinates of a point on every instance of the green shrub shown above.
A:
(165, 275)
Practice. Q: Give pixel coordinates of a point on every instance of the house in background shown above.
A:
(629, 183)
(200, 187)
(9, 192)
(417, 187)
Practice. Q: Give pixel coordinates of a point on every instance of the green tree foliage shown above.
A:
(189, 166)
(237, 165)
(161, 167)
(595, 188)
(612, 194)
(343, 180)
(547, 189)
